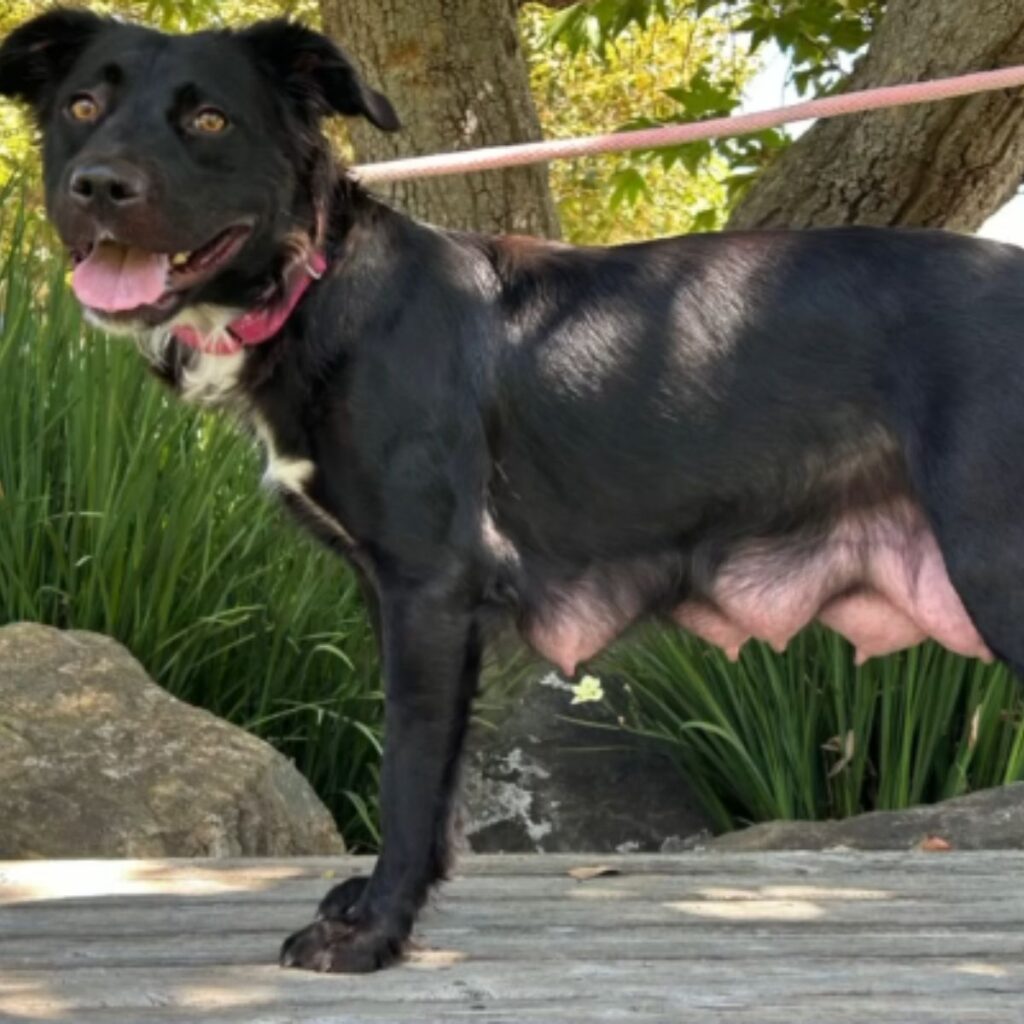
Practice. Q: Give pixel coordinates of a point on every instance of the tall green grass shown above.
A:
(807, 735)
(124, 512)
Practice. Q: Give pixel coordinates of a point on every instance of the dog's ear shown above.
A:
(319, 76)
(37, 55)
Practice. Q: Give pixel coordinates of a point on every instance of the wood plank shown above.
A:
(166, 920)
(579, 1011)
(261, 948)
(113, 883)
(876, 885)
(741, 983)
(233, 873)
(794, 938)
(695, 918)
(164, 912)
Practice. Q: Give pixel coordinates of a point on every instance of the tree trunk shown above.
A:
(948, 164)
(454, 69)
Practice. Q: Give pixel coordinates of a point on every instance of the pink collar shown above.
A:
(263, 322)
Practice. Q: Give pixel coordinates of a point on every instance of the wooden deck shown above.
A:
(832, 938)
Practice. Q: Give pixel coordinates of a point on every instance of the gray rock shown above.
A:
(540, 783)
(991, 819)
(98, 761)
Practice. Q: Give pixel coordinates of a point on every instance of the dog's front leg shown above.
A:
(431, 665)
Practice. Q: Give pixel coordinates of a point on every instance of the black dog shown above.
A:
(741, 432)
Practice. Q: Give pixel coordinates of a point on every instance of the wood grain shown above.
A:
(765, 938)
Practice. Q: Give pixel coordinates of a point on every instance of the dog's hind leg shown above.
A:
(431, 665)
(985, 562)
(972, 489)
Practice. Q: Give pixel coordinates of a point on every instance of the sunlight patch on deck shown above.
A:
(771, 902)
(794, 892)
(32, 1002)
(222, 997)
(982, 970)
(750, 910)
(26, 881)
(435, 959)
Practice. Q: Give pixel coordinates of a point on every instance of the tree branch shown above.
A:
(948, 164)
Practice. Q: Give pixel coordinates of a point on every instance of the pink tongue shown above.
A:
(116, 277)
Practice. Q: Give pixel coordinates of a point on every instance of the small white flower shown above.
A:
(587, 689)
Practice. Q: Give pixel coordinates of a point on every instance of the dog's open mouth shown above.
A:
(113, 278)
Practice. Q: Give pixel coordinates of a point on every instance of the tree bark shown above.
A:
(948, 164)
(455, 71)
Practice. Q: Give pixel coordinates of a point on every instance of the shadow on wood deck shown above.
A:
(831, 938)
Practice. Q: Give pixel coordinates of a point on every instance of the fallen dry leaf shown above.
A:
(934, 844)
(597, 871)
(845, 745)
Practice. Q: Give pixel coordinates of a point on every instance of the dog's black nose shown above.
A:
(111, 183)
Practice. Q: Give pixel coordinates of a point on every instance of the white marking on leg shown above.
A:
(288, 474)
(294, 476)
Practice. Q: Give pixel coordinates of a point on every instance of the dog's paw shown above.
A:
(340, 904)
(338, 947)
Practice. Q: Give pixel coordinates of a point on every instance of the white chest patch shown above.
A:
(211, 379)
(208, 379)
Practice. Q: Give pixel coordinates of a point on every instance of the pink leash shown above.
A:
(263, 323)
(672, 135)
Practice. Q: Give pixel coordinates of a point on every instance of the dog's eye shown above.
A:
(210, 121)
(84, 108)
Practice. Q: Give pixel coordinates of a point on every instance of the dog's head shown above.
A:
(181, 169)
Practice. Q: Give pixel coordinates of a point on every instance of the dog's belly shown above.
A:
(877, 578)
